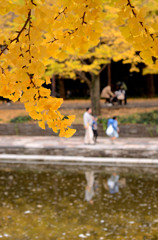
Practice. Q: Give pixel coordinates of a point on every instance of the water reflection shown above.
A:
(114, 183)
(89, 189)
(49, 204)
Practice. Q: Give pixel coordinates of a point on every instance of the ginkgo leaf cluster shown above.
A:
(34, 31)
(112, 46)
(139, 25)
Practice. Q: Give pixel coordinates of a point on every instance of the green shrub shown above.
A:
(141, 118)
(103, 121)
(21, 119)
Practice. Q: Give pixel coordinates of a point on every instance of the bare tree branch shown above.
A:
(82, 76)
(18, 35)
(102, 68)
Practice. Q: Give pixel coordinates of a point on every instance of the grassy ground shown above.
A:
(106, 113)
(8, 114)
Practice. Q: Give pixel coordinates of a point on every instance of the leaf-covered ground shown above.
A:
(71, 107)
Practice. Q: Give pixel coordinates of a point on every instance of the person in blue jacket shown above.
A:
(113, 122)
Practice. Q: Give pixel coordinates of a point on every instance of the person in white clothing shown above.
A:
(89, 189)
(87, 120)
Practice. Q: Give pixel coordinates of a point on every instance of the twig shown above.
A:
(33, 3)
(83, 18)
(19, 33)
(59, 13)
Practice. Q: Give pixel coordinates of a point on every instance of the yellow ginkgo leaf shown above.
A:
(67, 133)
(42, 124)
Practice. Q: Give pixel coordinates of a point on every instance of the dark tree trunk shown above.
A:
(95, 94)
(109, 74)
(94, 87)
(53, 86)
(150, 85)
(62, 88)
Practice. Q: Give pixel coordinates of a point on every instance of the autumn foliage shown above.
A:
(139, 25)
(32, 31)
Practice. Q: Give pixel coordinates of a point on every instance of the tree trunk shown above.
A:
(150, 85)
(109, 75)
(95, 94)
(62, 88)
(53, 86)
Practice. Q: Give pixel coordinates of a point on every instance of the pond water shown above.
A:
(55, 203)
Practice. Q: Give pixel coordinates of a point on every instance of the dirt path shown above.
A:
(82, 104)
(132, 103)
(77, 107)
